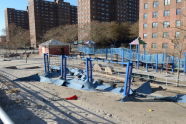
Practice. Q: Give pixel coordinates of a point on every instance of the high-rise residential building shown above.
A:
(16, 18)
(2, 39)
(105, 11)
(44, 15)
(160, 21)
(126, 10)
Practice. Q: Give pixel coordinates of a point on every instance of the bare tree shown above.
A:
(65, 33)
(19, 37)
(179, 48)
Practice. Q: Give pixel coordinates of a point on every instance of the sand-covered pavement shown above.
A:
(40, 103)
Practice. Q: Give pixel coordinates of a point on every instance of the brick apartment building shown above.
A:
(160, 21)
(44, 15)
(2, 39)
(105, 11)
(17, 18)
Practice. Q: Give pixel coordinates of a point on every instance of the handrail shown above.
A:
(4, 117)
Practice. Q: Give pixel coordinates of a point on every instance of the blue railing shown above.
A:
(134, 56)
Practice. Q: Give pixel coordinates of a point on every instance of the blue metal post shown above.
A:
(47, 60)
(138, 56)
(106, 53)
(130, 47)
(147, 67)
(46, 64)
(123, 55)
(156, 62)
(89, 70)
(127, 83)
(173, 64)
(163, 61)
(44, 58)
(185, 62)
(63, 67)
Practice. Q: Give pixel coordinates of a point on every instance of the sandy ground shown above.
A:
(41, 103)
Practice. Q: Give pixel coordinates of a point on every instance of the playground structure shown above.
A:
(82, 68)
(79, 74)
(155, 61)
(82, 78)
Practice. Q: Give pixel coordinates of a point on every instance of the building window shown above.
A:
(154, 25)
(144, 35)
(166, 2)
(178, 1)
(166, 13)
(178, 23)
(144, 25)
(165, 34)
(166, 24)
(154, 35)
(153, 45)
(178, 11)
(145, 5)
(155, 4)
(165, 45)
(177, 34)
(145, 15)
(154, 14)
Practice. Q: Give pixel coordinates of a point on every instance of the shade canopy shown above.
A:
(137, 41)
(53, 43)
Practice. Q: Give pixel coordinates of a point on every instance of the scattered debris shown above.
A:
(98, 67)
(109, 70)
(72, 98)
(14, 90)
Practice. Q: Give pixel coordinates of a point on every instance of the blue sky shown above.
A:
(17, 4)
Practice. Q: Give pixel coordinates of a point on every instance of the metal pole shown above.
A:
(147, 67)
(45, 66)
(4, 117)
(127, 82)
(172, 63)
(89, 70)
(106, 53)
(185, 63)
(123, 55)
(156, 62)
(63, 67)
(47, 61)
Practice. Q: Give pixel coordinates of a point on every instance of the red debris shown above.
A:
(72, 98)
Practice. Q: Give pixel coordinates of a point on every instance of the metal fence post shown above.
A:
(63, 67)
(156, 62)
(46, 64)
(185, 63)
(172, 63)
(89, 70)
(127, 83)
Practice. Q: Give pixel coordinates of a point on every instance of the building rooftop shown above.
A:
(53, 43)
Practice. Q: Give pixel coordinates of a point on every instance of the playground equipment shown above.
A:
(89, 83)
(83, 79)
(63, 67)
(154, 61)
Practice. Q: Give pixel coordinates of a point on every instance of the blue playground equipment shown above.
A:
(89, 77)
(63, 67)
(46, 64)
(89, 83)
(127, 83)
(155, 61)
